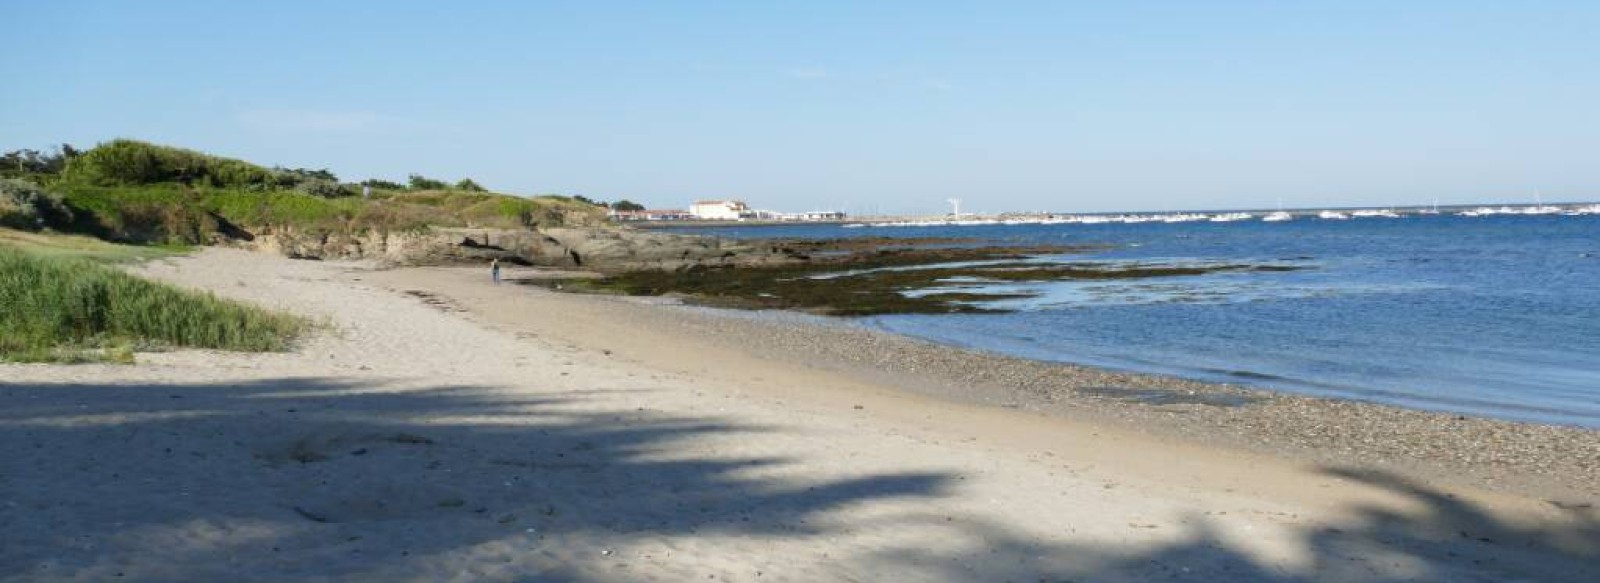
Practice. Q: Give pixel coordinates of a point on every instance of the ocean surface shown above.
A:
(1494, 316)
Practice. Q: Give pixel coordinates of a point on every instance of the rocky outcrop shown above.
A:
(388, 247)
(602, 249)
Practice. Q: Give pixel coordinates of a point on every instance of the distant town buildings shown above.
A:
(723, 210)
(816, 215)
(652, 215)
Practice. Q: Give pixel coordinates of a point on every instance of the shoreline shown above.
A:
(1451, 370)
(440, 427)
(1553, 461)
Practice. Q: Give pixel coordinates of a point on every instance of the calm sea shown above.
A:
(1493, 316)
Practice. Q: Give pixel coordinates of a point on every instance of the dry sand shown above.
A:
(444, 429)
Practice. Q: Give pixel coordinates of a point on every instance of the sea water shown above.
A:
(1492, 316)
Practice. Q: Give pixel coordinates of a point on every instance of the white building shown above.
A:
(719, 210)
(652, 215)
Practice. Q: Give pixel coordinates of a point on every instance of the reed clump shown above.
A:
(64, 308)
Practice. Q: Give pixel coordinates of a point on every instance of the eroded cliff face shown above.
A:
(601, 249)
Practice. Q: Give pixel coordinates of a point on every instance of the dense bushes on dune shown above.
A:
(131, 162)
(24, 205)
(130, 190)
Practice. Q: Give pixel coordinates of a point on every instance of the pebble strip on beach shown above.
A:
(1559, 463)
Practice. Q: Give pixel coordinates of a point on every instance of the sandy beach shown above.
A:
(440, 428)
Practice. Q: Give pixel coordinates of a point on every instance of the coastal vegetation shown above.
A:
(24, 205)
(82, 247)
(29, 163)
(132, 191)
(63, 301)
(68, 216)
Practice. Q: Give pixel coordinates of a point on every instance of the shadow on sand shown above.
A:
(301, 479)
(1437, 538)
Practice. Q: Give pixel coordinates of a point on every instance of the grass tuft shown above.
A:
(58, 307)
(59, 245)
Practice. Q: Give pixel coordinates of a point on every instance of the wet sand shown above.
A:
(447, 429)
(1555, 462)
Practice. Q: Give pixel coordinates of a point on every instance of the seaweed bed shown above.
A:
(868, 276)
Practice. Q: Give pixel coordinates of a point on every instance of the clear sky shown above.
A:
(887, 106)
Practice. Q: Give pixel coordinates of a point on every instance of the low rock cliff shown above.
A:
(603, 249)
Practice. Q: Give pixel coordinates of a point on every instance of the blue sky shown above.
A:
(886, 106)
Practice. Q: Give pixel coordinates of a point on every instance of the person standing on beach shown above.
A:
(494, 270)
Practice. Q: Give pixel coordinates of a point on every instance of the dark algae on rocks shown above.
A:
(860, 277)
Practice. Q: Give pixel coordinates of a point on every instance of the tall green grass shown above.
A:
(55, 307)
(60, 245)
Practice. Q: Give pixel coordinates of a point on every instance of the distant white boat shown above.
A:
(1278, 216)
(1183, 218)
(1333, 216)
(1376, 213)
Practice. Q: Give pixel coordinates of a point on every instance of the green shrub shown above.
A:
(307, 173)
(26, 163)
(131, 162)
(225, 172)
(23, 205)
(322, 188)
(420, 182)
(54, 307)
(321, 183)
(377, 184)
